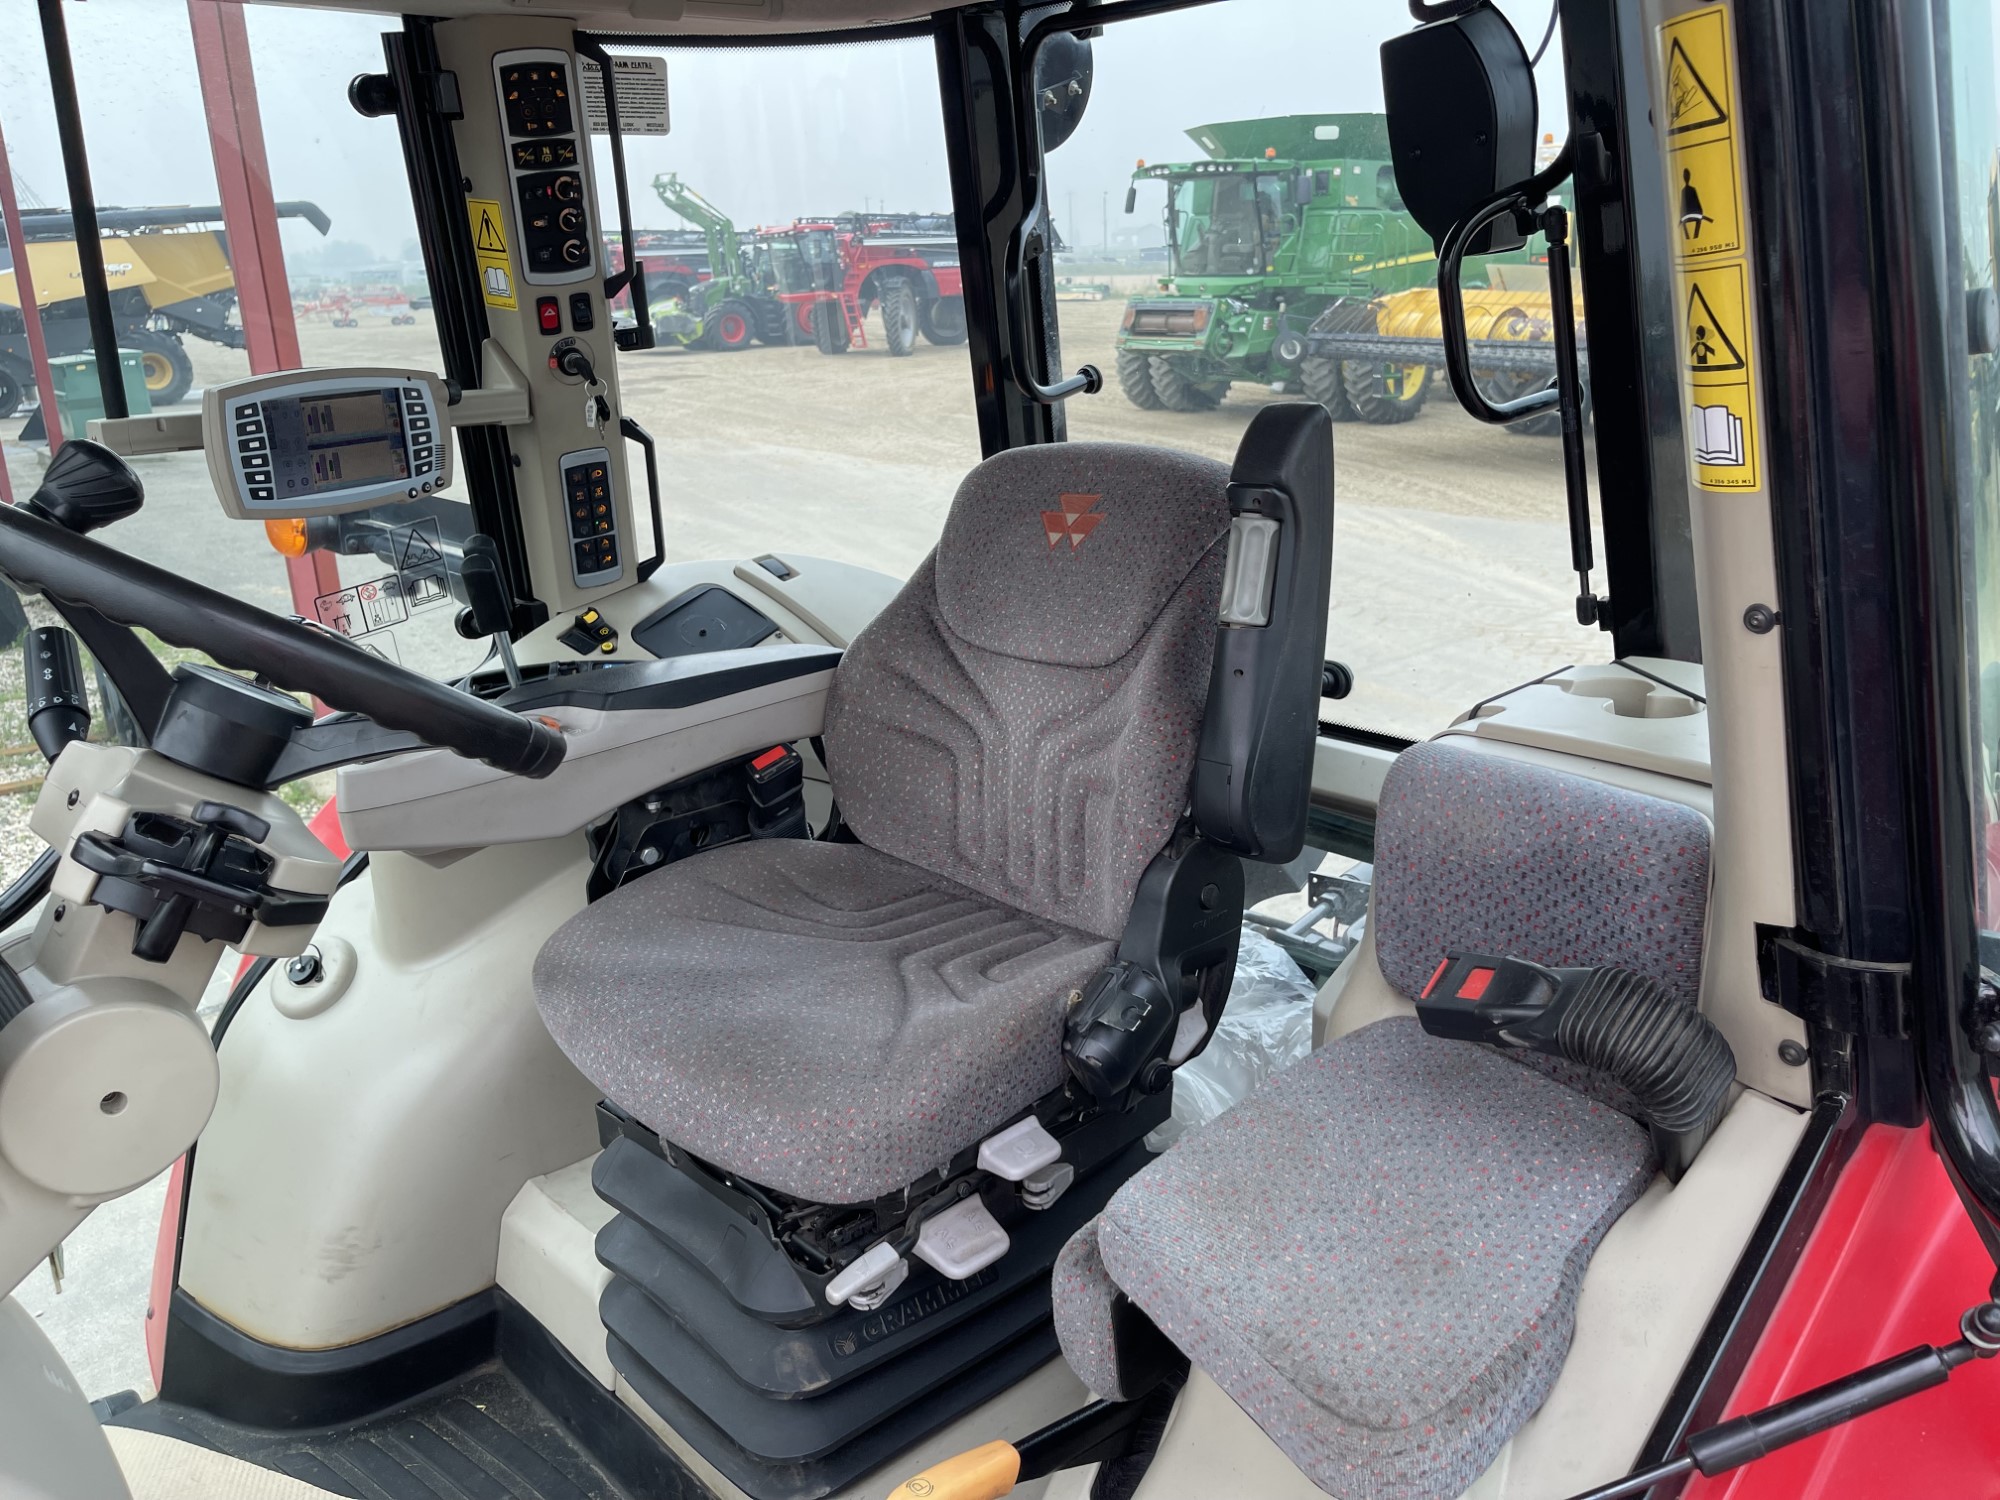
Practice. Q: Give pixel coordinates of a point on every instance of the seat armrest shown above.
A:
(1253, 772)
(629, 728)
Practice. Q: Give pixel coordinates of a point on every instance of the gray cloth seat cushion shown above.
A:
(822, 1018)
(1377, 1255)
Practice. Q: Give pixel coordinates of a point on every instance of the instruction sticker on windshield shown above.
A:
(419, 556)
(363, 608)
(642, 95)
(489, 248)
(1705, 203)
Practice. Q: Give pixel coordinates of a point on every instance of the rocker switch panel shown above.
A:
(592, 509)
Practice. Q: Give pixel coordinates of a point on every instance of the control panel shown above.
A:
(317, 443)
(541, 119)
(595, 557)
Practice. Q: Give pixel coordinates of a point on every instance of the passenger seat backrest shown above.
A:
(1023, 717)
(1485, 852)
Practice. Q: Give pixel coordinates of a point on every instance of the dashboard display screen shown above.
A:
(322, 444)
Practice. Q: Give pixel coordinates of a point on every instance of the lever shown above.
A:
(214, 823)
(486, 599)
(58, 702)
(87, 486)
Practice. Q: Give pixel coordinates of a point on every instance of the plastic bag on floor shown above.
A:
(1266, 1024)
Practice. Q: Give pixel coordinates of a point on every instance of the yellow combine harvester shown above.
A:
(168, 276)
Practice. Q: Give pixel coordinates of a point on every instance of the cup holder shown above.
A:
(1630, 697)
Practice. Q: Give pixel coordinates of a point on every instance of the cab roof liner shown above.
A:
(695, 17)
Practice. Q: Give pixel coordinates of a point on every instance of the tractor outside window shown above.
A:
(1265, 228)
(804, 283)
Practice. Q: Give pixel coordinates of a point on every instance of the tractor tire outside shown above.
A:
(169, 372)
(774, 322)
(942, 320)
(899, 319)
(1178, 393)
(730, 327)
(829, 327)
(1135, 379)
(10, 393)
(1386, 394)
(1322, 383)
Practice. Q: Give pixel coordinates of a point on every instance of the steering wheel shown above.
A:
(43, 557)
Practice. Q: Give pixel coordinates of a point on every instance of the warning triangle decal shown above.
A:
(417, 551)
(489, 240)
(1709, 345)
(1691, 104)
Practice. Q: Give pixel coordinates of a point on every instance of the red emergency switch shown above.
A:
(549, 312)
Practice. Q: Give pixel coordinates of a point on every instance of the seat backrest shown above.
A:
(1485, 852)
(1023, 717)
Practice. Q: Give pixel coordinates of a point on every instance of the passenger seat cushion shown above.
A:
(1023, 717)
(1378, 1253)
(1084, 1293)
(822, 1018)
(1485, 852)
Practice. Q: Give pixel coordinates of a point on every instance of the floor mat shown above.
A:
(483, 1437)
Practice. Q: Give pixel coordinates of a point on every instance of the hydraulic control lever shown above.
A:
(487, 608)
(58, 702)
(1668, 1055)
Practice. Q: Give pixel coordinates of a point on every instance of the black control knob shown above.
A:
(567, 189)
(573, 251)
(87, 486)
(570, 220)
(58, 703)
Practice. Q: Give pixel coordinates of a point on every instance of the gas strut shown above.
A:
(1729, 1445)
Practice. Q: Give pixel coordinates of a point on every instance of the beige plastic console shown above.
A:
(433, 800)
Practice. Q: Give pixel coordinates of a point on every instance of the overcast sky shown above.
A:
(765, 134)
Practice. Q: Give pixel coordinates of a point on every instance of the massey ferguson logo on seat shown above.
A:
(1076, 520)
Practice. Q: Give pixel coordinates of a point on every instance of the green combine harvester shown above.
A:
(1291, 238)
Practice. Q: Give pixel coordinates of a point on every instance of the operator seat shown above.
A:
(1377, 1254)
(940, 1037)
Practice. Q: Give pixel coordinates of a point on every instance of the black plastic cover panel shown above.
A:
(709, 618)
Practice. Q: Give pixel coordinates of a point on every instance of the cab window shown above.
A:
(810, 389)
(1263, 217)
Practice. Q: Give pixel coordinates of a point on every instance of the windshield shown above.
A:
(1225, 225)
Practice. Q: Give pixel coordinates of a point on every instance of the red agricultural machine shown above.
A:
(832, 271)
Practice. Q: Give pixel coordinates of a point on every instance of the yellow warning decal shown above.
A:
(1719, 367)
(1705, 200)
(489, 248)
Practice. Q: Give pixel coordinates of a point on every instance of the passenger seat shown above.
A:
(1378, 1254)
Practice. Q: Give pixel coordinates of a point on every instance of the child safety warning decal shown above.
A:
(1705, 187)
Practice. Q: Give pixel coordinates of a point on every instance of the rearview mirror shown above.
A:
(1131, 197)
(1460, 96)
(1062, 86)
(1302, 188)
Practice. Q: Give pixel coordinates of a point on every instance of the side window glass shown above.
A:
(1264, 254)
(811, 391)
